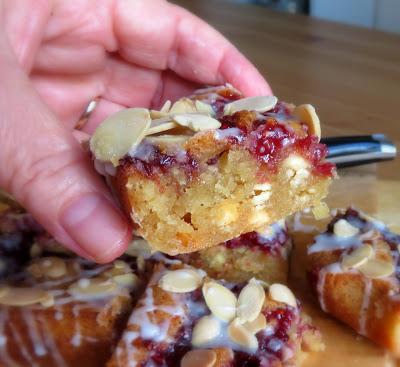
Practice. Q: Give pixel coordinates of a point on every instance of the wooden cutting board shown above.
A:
(379, 198)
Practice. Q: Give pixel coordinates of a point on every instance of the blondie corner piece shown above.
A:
(186, 319)
(212, 166)
(62, 312)
(354, 270)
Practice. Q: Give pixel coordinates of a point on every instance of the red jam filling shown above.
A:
(257, 242)
(268, 139)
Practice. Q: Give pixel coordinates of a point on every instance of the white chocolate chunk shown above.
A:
(342, 228)
(197, 122)
(206, 329)
(357, 257)
(220, 300)
(259, 104)
(281, 293)
(180, 281)
(119, 133)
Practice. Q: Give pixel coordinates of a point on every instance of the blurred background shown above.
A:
(379, 14)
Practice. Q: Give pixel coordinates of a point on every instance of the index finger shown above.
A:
(162, 36)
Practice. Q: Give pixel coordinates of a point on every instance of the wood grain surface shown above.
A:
(351, 75)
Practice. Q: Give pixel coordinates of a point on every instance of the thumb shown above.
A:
(45, 168)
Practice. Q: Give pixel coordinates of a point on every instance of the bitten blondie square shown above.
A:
(212, 166)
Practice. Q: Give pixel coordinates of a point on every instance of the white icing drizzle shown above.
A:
(50, 343)
(34, 333)
(331, 268)
(365, 306)
(77, 337)
(6, 358)
(330, 242)
(24, 351)
(221, 134)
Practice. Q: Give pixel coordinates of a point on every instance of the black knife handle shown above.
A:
(347, 151)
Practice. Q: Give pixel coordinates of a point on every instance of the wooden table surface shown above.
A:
(351, 75)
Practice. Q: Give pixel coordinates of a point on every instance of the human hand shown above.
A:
(58, 55)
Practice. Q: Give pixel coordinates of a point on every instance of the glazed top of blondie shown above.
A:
(196, 130)
(360, 244)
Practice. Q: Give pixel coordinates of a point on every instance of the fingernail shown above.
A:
(96, 226)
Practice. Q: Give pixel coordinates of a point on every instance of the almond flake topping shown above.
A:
(281, 293)
(357, 257)
(259, 104)
(306, 113)
(377, 268)
(159, 127)
(119, 133)
(197, 122)
(50, 267)
(240, 335)
(199, 358)
(220, 300)
(180, 281)
(250, 301)
(205, 330)
(258, 324)
(183, 105)
(205, 108)
(19, 296)
(342, 228)
(92, 287)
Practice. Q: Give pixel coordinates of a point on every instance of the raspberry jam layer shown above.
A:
(269, 137)
(270, 242)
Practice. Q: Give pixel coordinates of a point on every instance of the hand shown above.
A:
(58, 55)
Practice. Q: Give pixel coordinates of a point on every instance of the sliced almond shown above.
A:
(197, 122)
(241, 336)
(259, 104)
(166, 106)
(92, 287)
(169, 139)
(51, 267)
(261, 198)
(119, 133)
(154, 114)
(180, 281)
(250, 301)
(357, 257)
(199, 358)
(161, 125)
(258, 324)
(296, 163)
(281, 293)
(19, 296)
(377, 268)
(183, 105)
(130, 281)
(205, 330)
(202, 107)
(342, 228)
(306, 113)
(220, 300)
